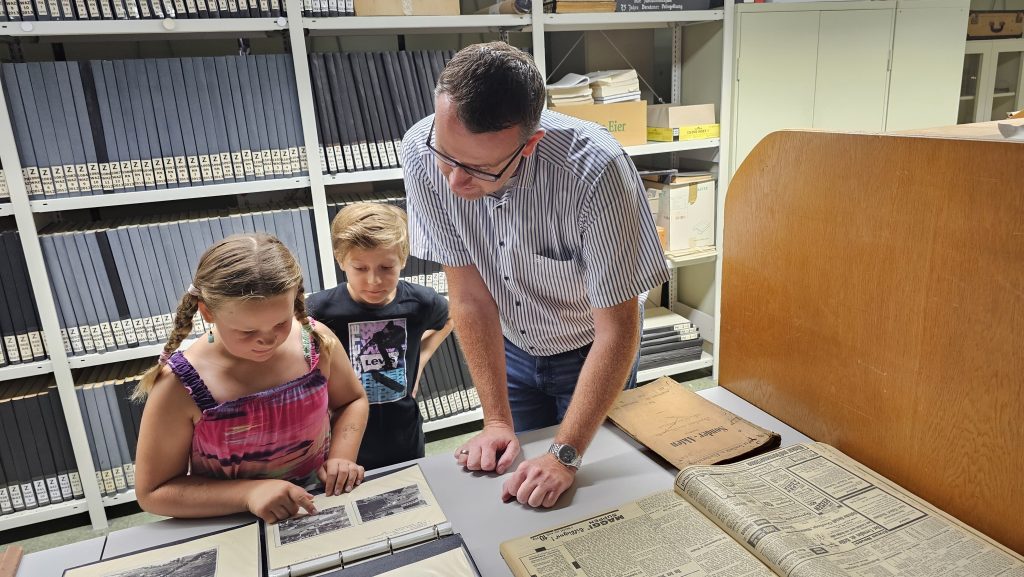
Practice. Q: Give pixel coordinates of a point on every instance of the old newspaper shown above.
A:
(803, 511)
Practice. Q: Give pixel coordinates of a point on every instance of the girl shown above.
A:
(264, 405)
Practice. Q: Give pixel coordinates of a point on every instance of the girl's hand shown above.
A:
(274, 500)
(339, 476)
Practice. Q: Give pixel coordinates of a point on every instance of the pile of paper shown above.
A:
(571, 89)
(614, 86)
(601, 87)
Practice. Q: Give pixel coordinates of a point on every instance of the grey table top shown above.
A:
(615, 470)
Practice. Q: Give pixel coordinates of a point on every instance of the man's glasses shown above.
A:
(474, 172)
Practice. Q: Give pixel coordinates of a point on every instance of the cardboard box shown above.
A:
(407, 7)
(671, 122)
(687, 213)
(988, 24)
(627, 121)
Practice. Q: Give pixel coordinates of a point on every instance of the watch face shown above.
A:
(566, 454)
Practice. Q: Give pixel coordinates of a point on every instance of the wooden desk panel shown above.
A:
(873, 298)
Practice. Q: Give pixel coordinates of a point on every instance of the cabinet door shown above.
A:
(775, 75)
(927, 67)
(1008, 79)
(853, 70)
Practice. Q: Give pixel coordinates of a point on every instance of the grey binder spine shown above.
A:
(120, 132)
(208, 73)
(66, 155)
(62, 78)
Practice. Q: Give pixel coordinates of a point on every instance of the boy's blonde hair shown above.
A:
(239, 267)
(370, 226)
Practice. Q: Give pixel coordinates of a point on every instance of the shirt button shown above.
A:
(501, 243)
(522, 331)
(518, 303)
(505, 277)
(532, 348)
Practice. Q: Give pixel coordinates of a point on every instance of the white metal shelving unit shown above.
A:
(297, 28)
(650, 374)
(221, 27)
(23, 370)
(165, 194)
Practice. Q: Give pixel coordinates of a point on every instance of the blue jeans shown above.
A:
(540, 388)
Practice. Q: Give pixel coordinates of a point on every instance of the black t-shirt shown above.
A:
(384, 346)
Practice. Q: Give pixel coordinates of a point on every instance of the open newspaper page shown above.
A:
(658, 536)
(810, 511)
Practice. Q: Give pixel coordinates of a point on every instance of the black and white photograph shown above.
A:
(202, 564)
(305, 527)
(390, 503)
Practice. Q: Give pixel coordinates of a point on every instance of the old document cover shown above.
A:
(684, 428)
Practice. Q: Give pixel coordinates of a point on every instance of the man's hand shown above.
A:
(538, 482)
(275, 500)
(339, 476)
(481, 452)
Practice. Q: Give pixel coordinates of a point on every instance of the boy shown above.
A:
(390, 328)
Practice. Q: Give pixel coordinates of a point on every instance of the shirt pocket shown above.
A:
(552, 282)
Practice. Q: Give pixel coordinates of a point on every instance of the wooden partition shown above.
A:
(873, 298)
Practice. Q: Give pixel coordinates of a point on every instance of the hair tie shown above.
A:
(192, 290)
(164, 358)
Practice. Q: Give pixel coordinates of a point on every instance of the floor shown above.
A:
(59, 532)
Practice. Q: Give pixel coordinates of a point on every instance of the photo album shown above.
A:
(390, 525)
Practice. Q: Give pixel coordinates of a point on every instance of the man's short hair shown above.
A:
(494, 86)
(370, 226)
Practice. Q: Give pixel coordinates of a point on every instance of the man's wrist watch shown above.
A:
(566, 455)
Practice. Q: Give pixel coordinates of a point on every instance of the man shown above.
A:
(543, 229)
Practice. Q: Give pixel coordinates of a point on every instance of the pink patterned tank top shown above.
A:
(280, 433)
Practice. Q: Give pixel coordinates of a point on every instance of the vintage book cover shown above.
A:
(802, 511)
(684, 428)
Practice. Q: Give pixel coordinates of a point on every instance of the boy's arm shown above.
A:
(346, 399)
(428, 346)
(349, 412)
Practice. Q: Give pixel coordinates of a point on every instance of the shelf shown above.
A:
(700, 255)
(23, 370)
(626, 20)
(6, 209)
(470, 416)
(38, 515)
(166, 194)
(678, 146)
(122, 355)
(1004, 94)
(415, 25)
(704, 361)
(227, 26)
(967, 97)
(363, 176)
(638, 150)
(121, 498)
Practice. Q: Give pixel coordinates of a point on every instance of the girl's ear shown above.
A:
(205, 312)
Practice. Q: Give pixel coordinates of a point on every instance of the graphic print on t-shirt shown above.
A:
(378, 356)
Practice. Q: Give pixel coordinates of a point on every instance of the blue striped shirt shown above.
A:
(571, 231)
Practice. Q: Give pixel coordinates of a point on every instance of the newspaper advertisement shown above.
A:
(810, 511)
(658, 536)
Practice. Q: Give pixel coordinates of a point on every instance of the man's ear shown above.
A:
(205, 312)
(531, 144)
